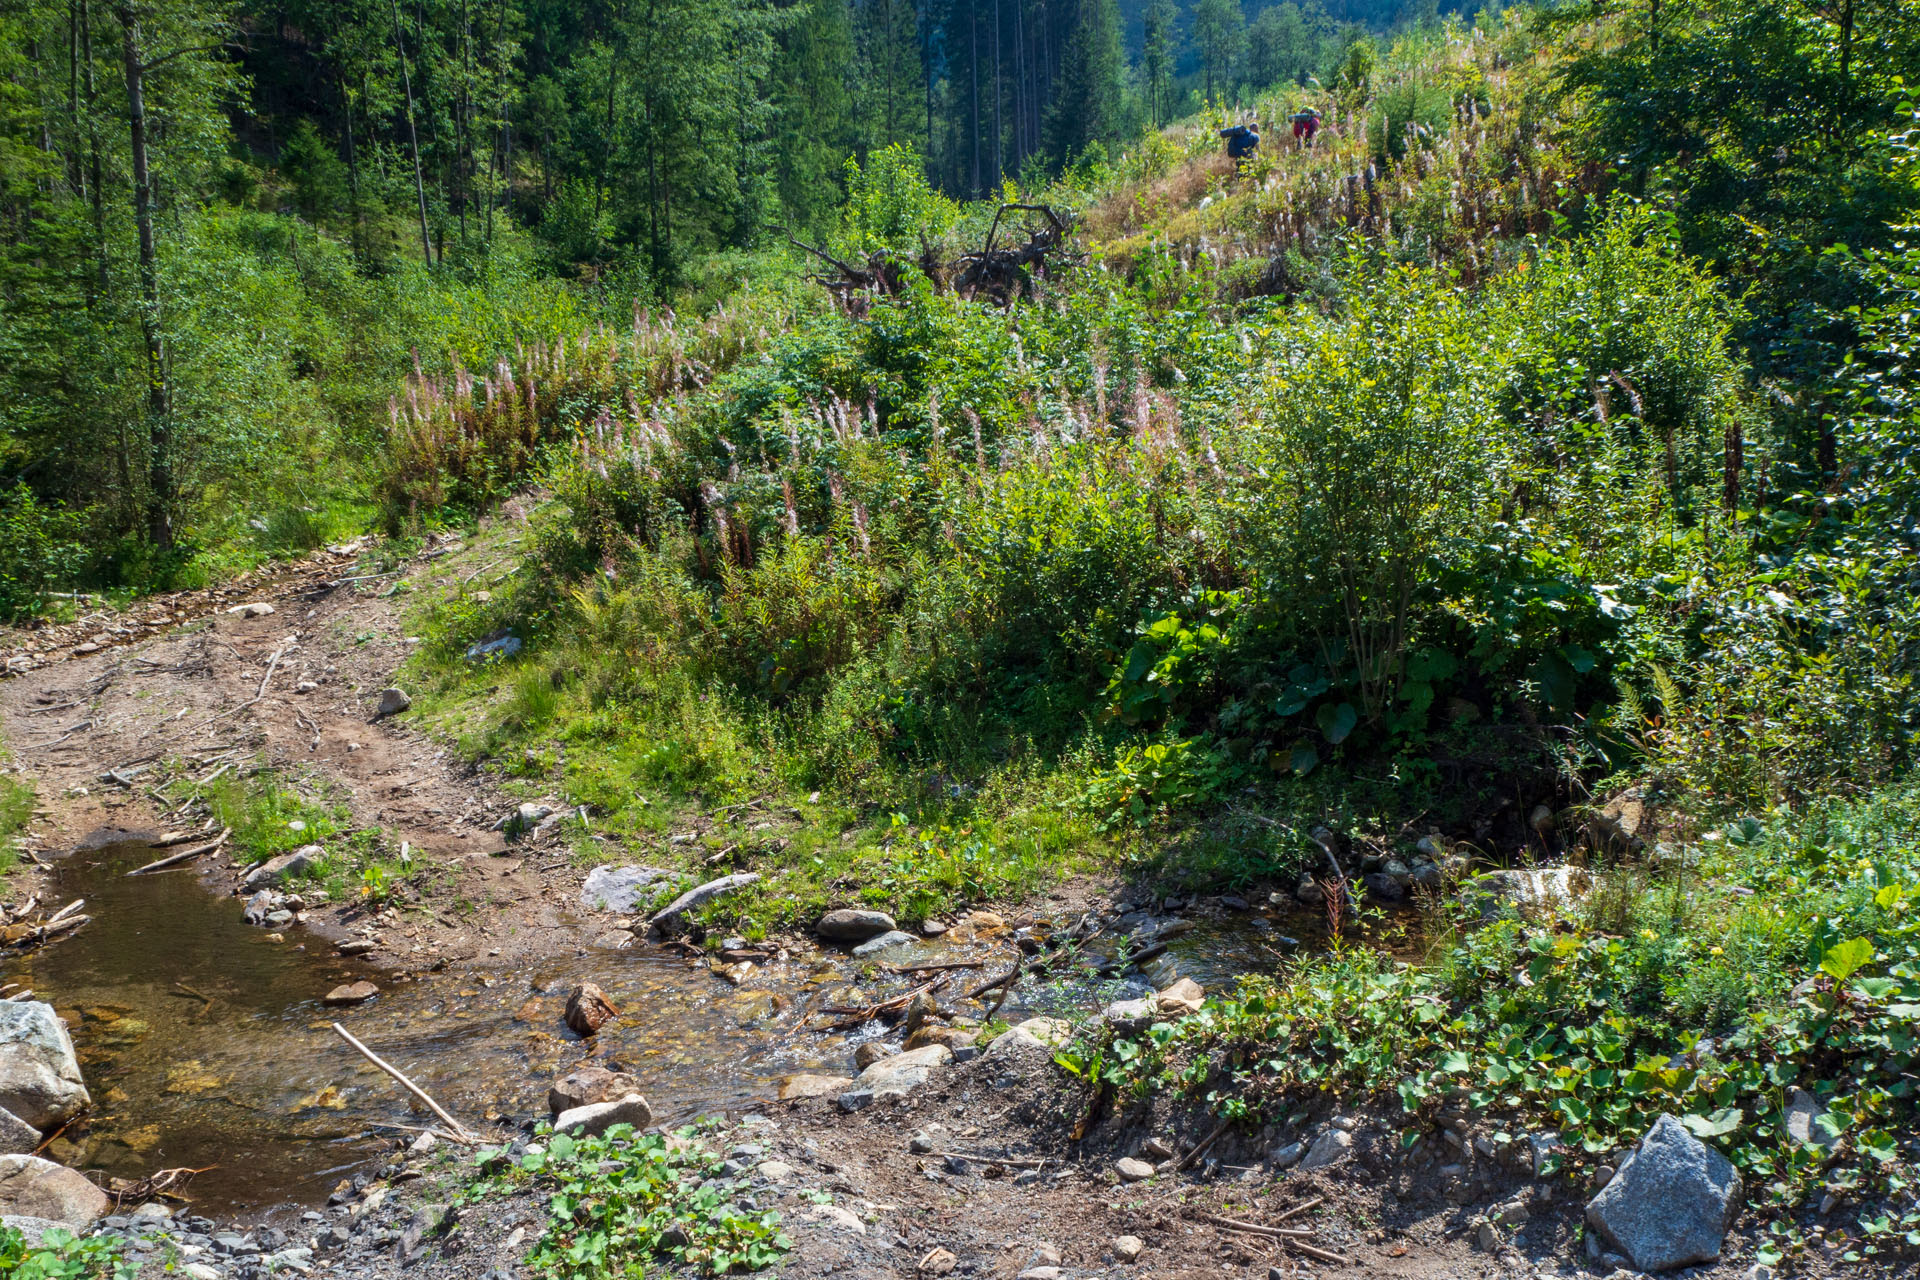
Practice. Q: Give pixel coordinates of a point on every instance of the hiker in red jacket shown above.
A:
(1306, 122)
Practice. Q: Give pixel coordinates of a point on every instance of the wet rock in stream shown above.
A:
(588, 1009)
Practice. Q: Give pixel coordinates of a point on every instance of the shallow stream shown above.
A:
(206, 1046)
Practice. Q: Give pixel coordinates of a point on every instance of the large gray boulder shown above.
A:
(39, 1076)
(620, 889)
(34, 1188)
(1671, 1202)
(895, 1077)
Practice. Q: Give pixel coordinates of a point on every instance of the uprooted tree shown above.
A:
(1004, 274)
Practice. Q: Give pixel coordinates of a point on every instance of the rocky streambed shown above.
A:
(201, 1025)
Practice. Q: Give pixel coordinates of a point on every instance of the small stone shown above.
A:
(1132, 1170)
(1804, 1117)
(1127, 1248)
(1040, 1273)
(1046, 1255)
(938, 1262)
(621, 890)
(350, 994)
(774, 1170)
(1285, 1157)
(1486, 1237)
(1181, 998)
(588, 1009)
(1156, 1149)
(393, 702)
(849, 924)
(358, 946)
(251, 609)
(871, 1052)
(835, 1216)
(1328, 1148)
(199, 1271)
(1384, 887)
(423, 1145)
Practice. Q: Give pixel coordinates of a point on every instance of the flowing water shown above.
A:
(206, 1046)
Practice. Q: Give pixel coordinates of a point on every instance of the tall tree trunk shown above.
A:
(973, 69)
(353, 174)
(999, 158)
(413, 136)
(160, 493)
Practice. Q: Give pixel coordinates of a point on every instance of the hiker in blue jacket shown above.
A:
(1243, 140)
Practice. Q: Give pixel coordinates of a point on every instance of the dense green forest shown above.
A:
(207, 206)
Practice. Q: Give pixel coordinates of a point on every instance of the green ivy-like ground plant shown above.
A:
(1786, 957)
(620, 1201)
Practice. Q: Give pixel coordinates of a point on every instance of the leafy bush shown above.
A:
(42, 549)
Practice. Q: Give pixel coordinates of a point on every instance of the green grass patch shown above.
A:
(16, 811)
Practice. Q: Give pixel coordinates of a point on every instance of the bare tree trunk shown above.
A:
(413, 137)
(160, 495)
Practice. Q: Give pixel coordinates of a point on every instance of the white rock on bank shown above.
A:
(40, 1078)
(597, 1117)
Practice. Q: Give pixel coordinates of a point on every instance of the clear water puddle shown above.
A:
(206, 1046)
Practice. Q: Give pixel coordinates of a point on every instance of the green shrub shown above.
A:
(42, 549)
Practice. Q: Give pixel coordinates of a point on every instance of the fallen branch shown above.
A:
(1122, 963)
(1186, 1161)
(936, 968)
(465, 1133)
(1321, 1254)
(72, 922)
(65, 911)
(1299, 1209)
(84, 724)
(1000, 1160)
(185, 855)
(1288, 1234)
(896, 1004)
